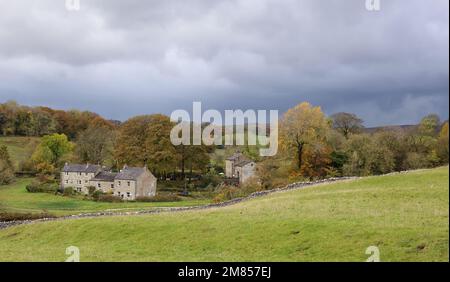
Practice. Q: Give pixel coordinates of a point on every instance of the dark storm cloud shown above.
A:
(122, 58)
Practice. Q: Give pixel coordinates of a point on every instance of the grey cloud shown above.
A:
(389, 66)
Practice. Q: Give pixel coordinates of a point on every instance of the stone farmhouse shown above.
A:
(128, 183)
(240, 167)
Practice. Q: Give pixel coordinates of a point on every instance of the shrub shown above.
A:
(108, 198)
(33, 187)
(96, 194)
(42, 187)
(91, 190)
(69, 191)
(6, 175)
(6, 167)
(210, 179)
(10, 216)
(227, 193)
(27, 166)
(44, 178)
(159, 198)
(273, 173)
(414, 161)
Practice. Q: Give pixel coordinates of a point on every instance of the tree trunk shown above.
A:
(299, 156)
(190, 173)
(182, 163)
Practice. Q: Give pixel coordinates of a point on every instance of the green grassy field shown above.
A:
(14, 198)
(19, 148)
(405, 215)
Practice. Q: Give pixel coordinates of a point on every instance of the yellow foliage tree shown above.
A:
(303, 128)
(442, 144)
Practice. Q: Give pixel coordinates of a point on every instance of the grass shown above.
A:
(19, 148)
(405, 215)
(14, 198)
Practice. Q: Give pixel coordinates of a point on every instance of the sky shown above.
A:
(122, 58)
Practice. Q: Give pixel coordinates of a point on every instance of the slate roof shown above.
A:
(90, 168)
(130, 173)
(105, 176)
(243, 163)
(127, 173)
(234, 157)
(239, 159)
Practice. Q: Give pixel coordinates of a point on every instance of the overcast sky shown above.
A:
(122, 58)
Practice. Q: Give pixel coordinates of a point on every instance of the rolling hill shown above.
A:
(405, 215)
(19, 148)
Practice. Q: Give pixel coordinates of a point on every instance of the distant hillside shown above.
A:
(115, 122)
(406, 127)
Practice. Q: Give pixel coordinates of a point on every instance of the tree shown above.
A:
(301, 127)
(6, 166)
(358, 149)
(442, 144)
(38, 121)
(160, 152)
(95, 145)
(272, 172)
(336, 142)
(347, 123)
(75, 121)
(197, 158)
(41, 123)
(50, 152)
(72, 122)
(420, 145)
(318, 161)
(367, 156)
(4, 155)
(131, 137)
(192, 157)
(146, 140)
(3, 120)
(429, 125)
(393, 141)
(9, 112)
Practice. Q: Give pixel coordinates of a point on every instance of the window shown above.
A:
(85, 181)
(128, 194)
(67, 173)
(79, 189)
(98, 185)
(79, 181)
(79, 173)
(119, 183)
(128, 182)
(67, 181)
(112, 186)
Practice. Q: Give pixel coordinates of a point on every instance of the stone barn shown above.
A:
(240, 167)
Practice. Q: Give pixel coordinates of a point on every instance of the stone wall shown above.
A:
(293, 186)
